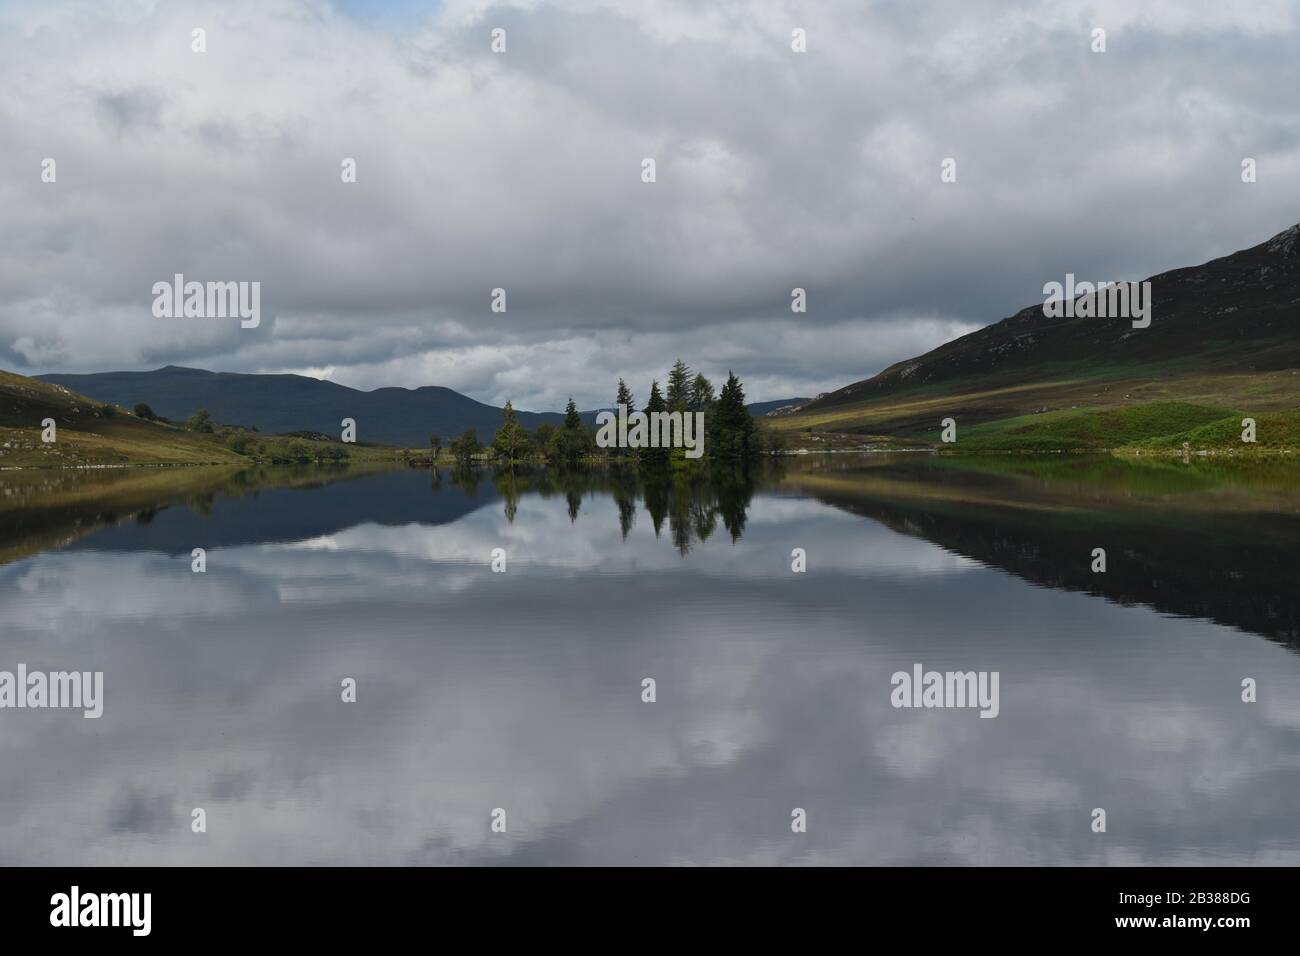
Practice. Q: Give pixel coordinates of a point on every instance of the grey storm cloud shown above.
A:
(130, 110)
(521, 170)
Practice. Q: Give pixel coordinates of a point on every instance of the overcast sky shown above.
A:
(522, 170)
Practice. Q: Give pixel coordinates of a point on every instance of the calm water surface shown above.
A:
(522, 690)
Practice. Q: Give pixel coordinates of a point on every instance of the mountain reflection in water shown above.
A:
(523, 690)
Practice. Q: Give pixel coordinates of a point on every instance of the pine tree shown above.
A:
(655, 404)
(733, 430)
(624, 397)
(573, 436)
(701, 393)
(679, 387)
(511, 440)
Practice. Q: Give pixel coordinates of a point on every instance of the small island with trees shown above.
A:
(731, 433)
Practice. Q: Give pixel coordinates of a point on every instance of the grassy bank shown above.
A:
(1083, 430)
(90, 434)
(1151, 416)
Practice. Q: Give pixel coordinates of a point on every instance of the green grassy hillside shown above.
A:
(1091, 430)
(90, 433)
(1273, 431)
(1223, 343)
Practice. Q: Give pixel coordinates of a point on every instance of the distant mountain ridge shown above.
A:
(284, 403)
(761, 409)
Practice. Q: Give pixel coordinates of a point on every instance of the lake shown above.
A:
(501, 716)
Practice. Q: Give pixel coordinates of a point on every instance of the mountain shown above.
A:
(284, 403)
(89, 432)
(759, 409)
(1223, 338)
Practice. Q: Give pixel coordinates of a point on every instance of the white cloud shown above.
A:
(522, 171)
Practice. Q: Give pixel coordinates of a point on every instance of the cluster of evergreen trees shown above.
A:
(730, 431)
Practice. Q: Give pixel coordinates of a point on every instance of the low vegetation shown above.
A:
(1062, 414)
(1274, 431)
(1083, 430)
(91, 434)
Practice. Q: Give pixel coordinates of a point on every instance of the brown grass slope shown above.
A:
(89, 432)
